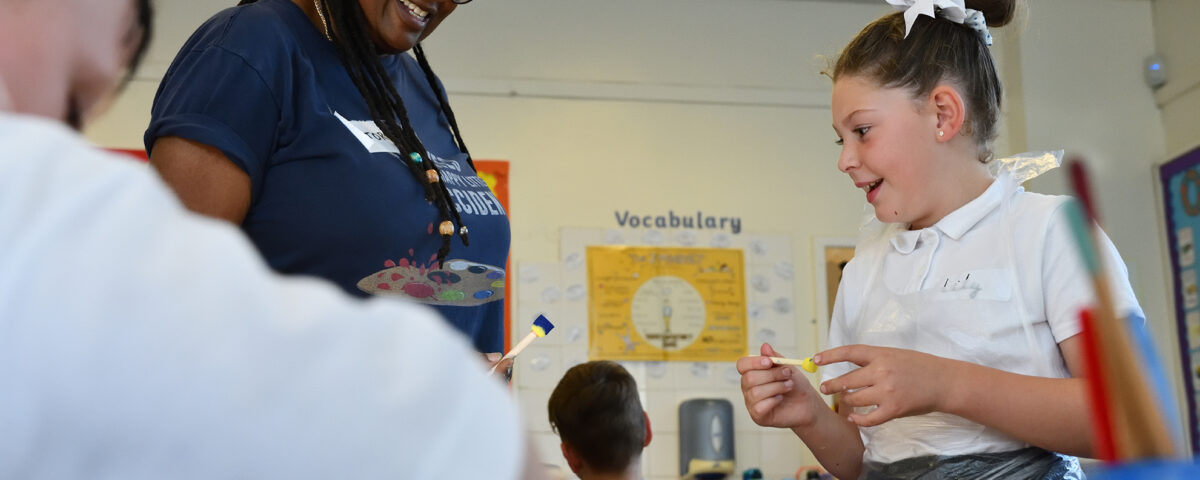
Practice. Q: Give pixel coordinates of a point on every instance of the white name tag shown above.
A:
(986, 284)
(369, 134)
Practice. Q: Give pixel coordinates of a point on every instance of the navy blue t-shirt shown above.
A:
(330, 195)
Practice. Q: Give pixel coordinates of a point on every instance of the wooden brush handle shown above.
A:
(1140, 429)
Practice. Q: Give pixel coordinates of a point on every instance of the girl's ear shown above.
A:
(950, 110)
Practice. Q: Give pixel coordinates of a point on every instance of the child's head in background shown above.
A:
(596, 412)
(916, 113)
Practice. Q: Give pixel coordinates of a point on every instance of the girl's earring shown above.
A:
(941, 133)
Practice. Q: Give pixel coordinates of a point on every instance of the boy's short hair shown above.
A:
(596, 410)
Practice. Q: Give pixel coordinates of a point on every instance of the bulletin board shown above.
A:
(663, 303)
(1180, 188)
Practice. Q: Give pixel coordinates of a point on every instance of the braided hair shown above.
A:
(351, 36)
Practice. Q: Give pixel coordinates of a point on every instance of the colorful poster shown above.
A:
(674, 304)
(1181, 204)
(495, 174)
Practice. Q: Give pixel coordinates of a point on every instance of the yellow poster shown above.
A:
(675, 304)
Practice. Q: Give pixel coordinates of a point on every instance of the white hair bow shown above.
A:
(954, 10)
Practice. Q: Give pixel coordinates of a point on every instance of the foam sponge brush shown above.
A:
(541, 326)
(807, 364)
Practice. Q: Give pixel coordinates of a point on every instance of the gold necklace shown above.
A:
(321, 13)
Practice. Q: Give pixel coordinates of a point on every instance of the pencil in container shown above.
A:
(1138, 428)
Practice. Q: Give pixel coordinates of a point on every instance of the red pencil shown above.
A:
(1102, 431)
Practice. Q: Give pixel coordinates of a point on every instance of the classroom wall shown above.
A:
(1081, 68)
(1179, 99)
(1175, 39)
(719, 106)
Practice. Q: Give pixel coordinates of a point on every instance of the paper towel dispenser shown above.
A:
(706, 439)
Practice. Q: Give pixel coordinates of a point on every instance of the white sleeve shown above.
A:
(140, 341)
(1067, 286)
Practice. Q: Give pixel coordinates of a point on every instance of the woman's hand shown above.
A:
(503, 365)
(777, 395)
(900, 382)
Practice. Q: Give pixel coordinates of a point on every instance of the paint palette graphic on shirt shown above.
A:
(459, 282)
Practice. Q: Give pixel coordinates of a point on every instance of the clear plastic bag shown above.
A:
(1026, 166)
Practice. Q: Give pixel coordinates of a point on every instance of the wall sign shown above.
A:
(698, 221)
(677, 304)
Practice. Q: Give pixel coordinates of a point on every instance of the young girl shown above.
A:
(954, 330)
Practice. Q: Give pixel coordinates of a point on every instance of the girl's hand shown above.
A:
(777, 395)
(900, 382)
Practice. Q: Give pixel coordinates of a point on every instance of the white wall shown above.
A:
(1175, 37)
(1179, 99)
(718, 106)
(1081, 62)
